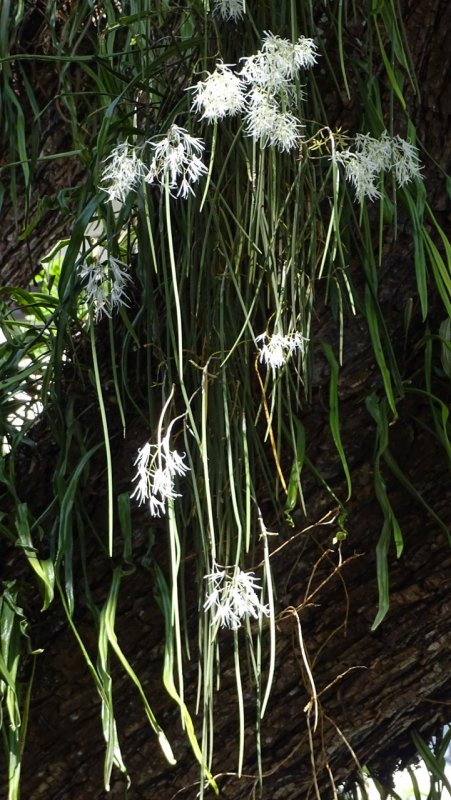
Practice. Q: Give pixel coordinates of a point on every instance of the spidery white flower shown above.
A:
(264, 90)
(219, 95)
(157, 467)
(229, 9)
(372, 157)
(262, 110)
(256, 71)
(288, 58)
(377, 151)
(275, 350)
(266, 122)
(123, 172)
(285, 134)
(406, 161)
(177, 160)
(106, 281)
(278, 61)
(270, 74)
(362, 172)
(233, 598)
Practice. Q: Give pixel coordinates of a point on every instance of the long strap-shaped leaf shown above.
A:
(168, 678)
(102, 680)
(334, 417)
(107, 619)
(43, 568)
(378, 412)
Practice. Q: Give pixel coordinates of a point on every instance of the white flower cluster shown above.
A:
(176, 160)
(371, 157)
(279, 61)
(275, 350)
(106, 282)
(267, 123)
(157, 466)
(233, 598)
(123, 172)
(219, 95)
(229, 9)
(263, 91)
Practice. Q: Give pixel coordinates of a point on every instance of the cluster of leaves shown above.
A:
(210, 295)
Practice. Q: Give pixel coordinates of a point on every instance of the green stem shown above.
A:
(178, 312)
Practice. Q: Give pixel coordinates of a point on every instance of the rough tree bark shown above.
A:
(374, 688)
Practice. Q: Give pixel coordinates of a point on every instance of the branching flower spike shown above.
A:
(106, 282)
(275, 350)
(372, 157)
(229, 9)
(288, 58)
(278, 62)
(123, 172)
(157, 467)
(177, 160)
(233, 598)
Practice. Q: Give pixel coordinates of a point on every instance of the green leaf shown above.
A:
(383, 584)
(125, 520)
(390, 527)
(164, 598)
(293, 487)
(373, 326)
(43, 569)
(445, 335)
(334, 416)
(107, 621)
